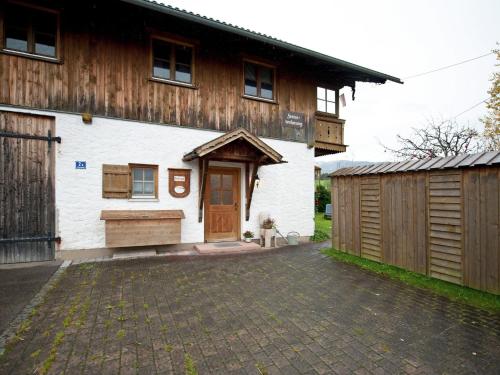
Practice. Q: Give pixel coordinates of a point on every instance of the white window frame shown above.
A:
(327, 101)
(154, 168)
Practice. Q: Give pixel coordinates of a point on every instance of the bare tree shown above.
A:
(444, 138)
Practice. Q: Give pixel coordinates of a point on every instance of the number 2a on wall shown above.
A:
(80, 165)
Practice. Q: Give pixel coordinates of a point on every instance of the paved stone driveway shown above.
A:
(289, 311)
(19, 283)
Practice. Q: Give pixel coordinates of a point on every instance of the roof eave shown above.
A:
(162, 8)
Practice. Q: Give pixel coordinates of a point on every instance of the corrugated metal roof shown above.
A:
(449, 162)
(193, 17)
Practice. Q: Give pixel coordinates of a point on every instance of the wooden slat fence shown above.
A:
(370, 218)
(441, 223)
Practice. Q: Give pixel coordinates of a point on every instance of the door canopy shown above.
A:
(238, 146)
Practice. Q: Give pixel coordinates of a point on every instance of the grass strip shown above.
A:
(472, 297)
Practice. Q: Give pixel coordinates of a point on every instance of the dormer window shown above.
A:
(31, 31)
(172, 61)
(327, 100)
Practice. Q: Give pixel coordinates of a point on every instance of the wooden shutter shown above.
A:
(115, 181)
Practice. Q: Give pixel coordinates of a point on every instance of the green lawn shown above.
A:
(326, 182)
(322, 224)
(322, 229)
(476, 298)
(455, 292)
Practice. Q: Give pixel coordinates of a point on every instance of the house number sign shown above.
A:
(179, 182)
(80, 164)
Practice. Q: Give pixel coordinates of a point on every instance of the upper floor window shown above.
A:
(326, 100)
(31, 31)
(259, 81)
(172, 61)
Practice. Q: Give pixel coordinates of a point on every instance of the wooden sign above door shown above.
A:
(179, 182)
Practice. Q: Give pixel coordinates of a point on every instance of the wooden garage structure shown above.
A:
(439, 217)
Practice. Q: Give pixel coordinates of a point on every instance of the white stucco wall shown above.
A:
(286, 191)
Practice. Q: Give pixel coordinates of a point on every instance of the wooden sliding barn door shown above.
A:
(27, 204)
(222, 205)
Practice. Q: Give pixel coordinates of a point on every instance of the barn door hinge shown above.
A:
(49, 138)
(52, 139)
(49, 238)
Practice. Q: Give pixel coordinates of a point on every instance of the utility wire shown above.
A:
(471, 108)
(461, 113)
(447, 67)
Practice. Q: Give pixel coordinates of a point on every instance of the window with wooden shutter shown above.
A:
(115, 181)
(144, 181)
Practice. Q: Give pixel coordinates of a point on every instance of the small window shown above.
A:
(326, 100)
(173, 62)
(259, 81)
(31, 31)
(144, 181)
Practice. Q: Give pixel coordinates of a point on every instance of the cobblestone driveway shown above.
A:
(289, 311)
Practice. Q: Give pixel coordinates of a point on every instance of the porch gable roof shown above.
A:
(269, 155)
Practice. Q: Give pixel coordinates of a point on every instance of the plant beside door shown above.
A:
(248, 235)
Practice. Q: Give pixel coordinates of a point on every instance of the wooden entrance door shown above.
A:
(222, 205)
(27, 205)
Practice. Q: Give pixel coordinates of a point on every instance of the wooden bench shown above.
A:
(125, 228)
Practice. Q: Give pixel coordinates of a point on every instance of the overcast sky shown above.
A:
(400, 38)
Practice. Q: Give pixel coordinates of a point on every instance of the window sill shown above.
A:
(174, 83)
(137, 199)
(326, 114)
(256, 98)
(54, 60)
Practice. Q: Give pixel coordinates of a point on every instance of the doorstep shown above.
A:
(218, 248)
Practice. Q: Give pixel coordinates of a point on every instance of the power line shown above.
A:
(448, 66)
(461, 113)
(471, 108)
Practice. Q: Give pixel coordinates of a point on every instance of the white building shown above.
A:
(130, 123)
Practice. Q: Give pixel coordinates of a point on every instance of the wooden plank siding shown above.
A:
(346, 215)
(442, 223)
(105, 69)
(445, 226)
(404, 221)
(370, 218)
(481, 190)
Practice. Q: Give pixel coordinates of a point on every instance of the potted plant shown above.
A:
(268, 223)
(268, 232)
(248, 235)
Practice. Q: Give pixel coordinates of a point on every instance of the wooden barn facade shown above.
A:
(439, 217)
(133, 114)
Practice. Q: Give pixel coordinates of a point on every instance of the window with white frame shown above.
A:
(144, 181)
(326, 100)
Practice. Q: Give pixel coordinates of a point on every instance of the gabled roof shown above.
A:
(273, 157)
(412, 165)
(364, 74)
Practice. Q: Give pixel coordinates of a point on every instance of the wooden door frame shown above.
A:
(238, 197)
